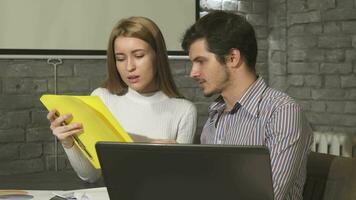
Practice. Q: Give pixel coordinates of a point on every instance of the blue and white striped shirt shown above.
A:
(264, 116)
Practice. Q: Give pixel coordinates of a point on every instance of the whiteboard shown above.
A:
(85, 25)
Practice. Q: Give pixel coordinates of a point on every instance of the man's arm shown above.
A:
(289, 140)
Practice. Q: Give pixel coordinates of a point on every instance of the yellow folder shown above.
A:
(98, 122)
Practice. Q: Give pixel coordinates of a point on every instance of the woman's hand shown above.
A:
(164, 141)
(62, 131)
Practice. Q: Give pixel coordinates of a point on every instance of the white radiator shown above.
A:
(339, 144)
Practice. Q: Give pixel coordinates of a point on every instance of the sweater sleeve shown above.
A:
(187, 125)
(79, 162)
(98, 92)
(81, 165)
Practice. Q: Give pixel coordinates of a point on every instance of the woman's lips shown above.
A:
(133, 79)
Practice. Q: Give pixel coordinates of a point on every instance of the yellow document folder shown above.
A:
(98, 122)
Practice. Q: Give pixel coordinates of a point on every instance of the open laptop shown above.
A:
(141, 171)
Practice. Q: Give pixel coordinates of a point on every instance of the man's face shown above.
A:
(211, 75)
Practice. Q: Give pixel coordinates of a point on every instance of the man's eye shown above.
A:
(200, 61)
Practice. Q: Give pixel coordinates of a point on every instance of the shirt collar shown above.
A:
(253, 96)
(249, 100)
(217, 106)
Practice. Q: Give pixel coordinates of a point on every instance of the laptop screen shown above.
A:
(140, 171)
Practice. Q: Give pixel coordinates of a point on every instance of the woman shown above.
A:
(139, 91)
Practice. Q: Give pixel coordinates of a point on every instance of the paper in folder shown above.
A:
(98, 122)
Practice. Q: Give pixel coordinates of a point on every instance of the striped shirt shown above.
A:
(264, 116)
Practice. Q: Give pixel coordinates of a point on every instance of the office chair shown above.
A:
(330, 177)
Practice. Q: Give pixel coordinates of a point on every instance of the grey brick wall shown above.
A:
(306, 48)
(26, 142)
(318, 38)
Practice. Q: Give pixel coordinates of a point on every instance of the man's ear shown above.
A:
(234, 58)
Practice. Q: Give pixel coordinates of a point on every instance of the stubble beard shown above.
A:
(211, 93)
(220, 86)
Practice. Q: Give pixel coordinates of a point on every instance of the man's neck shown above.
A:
(239, 83)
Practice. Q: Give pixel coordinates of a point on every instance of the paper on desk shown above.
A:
(100, 193)
(74, 195)
(86, 194)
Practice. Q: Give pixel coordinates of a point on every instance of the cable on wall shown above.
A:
(55, 62)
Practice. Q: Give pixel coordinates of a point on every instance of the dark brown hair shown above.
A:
(224, 31)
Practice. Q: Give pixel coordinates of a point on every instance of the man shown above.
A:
(223, 49)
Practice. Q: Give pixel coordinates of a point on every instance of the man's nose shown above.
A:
(194, 72)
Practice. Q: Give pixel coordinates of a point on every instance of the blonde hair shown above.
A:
(146, 30)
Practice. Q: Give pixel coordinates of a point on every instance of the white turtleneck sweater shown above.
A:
(155, 116)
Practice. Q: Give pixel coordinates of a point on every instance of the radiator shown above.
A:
(339, 144)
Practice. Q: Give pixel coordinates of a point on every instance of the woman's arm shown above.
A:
(187, 125)
(64, 134)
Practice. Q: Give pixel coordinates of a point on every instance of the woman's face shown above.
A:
(135, 62)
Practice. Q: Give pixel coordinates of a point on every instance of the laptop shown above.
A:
(142, 171)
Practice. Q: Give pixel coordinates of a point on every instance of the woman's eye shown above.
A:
(120, 59)
(139, 56)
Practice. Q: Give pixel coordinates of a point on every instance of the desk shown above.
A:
(62, 180)
(93, 193)
(42, 185)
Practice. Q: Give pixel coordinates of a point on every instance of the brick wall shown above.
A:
(312, 57)
(26, 142)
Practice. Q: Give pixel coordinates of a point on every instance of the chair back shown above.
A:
(330, 177)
